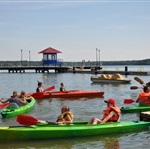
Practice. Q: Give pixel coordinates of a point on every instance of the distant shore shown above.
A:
(77, 64)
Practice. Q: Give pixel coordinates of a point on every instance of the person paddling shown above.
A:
(40, 87)
(144, 97)
(62, 87)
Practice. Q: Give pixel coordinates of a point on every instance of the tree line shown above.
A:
(76, 64)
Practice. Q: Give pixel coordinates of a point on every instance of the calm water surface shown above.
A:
(83, 109)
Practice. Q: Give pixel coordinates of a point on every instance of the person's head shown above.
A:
(39, 84)
(62, 84)
(146, 89)
(15, 93)
(110, 102)
(23, 93)
(65, 109)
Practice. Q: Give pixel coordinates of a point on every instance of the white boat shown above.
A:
(108, 78)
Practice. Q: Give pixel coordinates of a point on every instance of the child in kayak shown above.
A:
(24, 98)
(40, 87)
(66, 116)
(111, 114)
(62, 87)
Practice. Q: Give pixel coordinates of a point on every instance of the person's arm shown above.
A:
(68, 120)
(43, 88)
(23, 100)
(138, 99)
(112, 113)
(28, 97)
(4, 101)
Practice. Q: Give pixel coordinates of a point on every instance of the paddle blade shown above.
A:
(3, 105)
(139, 80)
(128, 101)
(134, 87)
(27, 120)
(49, 89)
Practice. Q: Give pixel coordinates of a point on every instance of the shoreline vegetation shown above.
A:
(76, 64)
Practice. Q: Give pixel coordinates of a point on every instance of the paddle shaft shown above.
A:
(30, 120)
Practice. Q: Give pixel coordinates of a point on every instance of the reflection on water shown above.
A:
(116, 141)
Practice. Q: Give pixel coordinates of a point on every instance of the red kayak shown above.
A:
(3, 105)
(67, 94)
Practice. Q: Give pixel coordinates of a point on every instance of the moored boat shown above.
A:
(67, 94)
(107, 78)
(134, 109)
(78, 129)
(11, 112)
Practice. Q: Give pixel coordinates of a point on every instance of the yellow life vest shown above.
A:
(61, 118)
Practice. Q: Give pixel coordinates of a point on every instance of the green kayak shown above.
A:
(134, 109)
(78, 129)
(11, 112)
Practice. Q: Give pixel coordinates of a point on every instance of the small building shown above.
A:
(50, 56)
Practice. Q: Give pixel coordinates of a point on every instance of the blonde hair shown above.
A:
(66, 108)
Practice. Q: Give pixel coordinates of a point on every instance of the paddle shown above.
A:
(29, 120)
(139, 80)
(129, 101)
(3, 105)
(135, 87)
(49, 89)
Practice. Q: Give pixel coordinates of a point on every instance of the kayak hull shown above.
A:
(68, 94)
(12, 112)
(109, 78)
(134, 109)
(78, 129)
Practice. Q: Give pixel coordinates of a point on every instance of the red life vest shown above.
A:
(114, 118)
(143, 96)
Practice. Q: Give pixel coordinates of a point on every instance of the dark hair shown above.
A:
(23, 93)
(145, 88)
(39, 83)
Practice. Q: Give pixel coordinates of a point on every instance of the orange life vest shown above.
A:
(143, 96)
(114, 118)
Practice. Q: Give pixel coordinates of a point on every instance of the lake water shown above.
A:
(83, 109)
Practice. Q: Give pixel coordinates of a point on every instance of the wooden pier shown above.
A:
(37, 69)
(63, 69)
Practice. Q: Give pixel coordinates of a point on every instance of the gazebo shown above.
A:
(50, 56)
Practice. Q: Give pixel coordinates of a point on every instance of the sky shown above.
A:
(119, 30)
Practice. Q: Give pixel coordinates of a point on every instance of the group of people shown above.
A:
(40, 87)
(111, 114)
(16, 100)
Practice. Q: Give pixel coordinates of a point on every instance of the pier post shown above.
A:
(126, 70)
